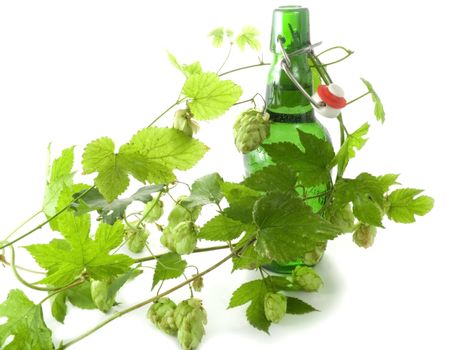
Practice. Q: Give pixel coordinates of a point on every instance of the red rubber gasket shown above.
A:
(330, 99)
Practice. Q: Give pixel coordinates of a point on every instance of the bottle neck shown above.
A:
(285, 102)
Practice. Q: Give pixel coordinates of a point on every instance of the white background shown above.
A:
(72, 71)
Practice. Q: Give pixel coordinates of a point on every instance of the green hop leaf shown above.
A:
(307, 278)
(205, 190)
(379, 110)
(278, 177)
(79, 296)
(111, 212)
(161, 314)
(210, 96)
(222, 228)
(405, 203)
(364, 235)
(275, 306)
(170, 265)
(25, 323)
(60, 178)
(366, 192)
(312, 164)
(66, 259)
(248, 37)
(298, 307)
(354, 141)
(186, 69)
(277, 213)
(151, 156)
(241, 200)
(217, 36)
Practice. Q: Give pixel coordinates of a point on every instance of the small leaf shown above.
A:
(241, 200)
(249, 37)
(366, 192)
(170, 265)
(60, 178)
(186, 69)
(245, 293)
(205, 190)
(59, 307)
(405, 203)
(221, 228)
(210, 96)
(25, 324)
(298, 307)
(353, 142)
(379, 110)
(217, 36)
(111, 212)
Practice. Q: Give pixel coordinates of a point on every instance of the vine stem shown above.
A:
(199, 250)
(226, 58)
(22, 225)
(149, 211)
(143, 303)
(359, 97)
(38, 227)
(4, 261)
(79, 281)
(245, 67)
(165, 111)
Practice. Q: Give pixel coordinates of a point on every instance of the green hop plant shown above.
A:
(101, 296)
(183, 120)
(275, 306)
(136, 238)
(161, 314)
(307, 278)
(153, 210)
(190, 318)
(181, 239)
(314, 256)
(179, 213)
(343, 218)
(250, 129)
(198, 284)
(364, 235)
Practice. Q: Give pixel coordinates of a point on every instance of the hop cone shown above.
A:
(250, 130)
(275, 305)
(314, 256)
(180, 239)
(364, 235)
(183, 121)
(161, 313)
(190, 317)
(153, 210)
(101, 296)
(136, 238)
(307, 278)
(180, 213)
(198, 284)
(343, 218)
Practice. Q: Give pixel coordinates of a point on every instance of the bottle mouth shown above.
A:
(290, 7)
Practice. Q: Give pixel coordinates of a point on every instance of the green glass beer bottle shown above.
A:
(288, 108)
